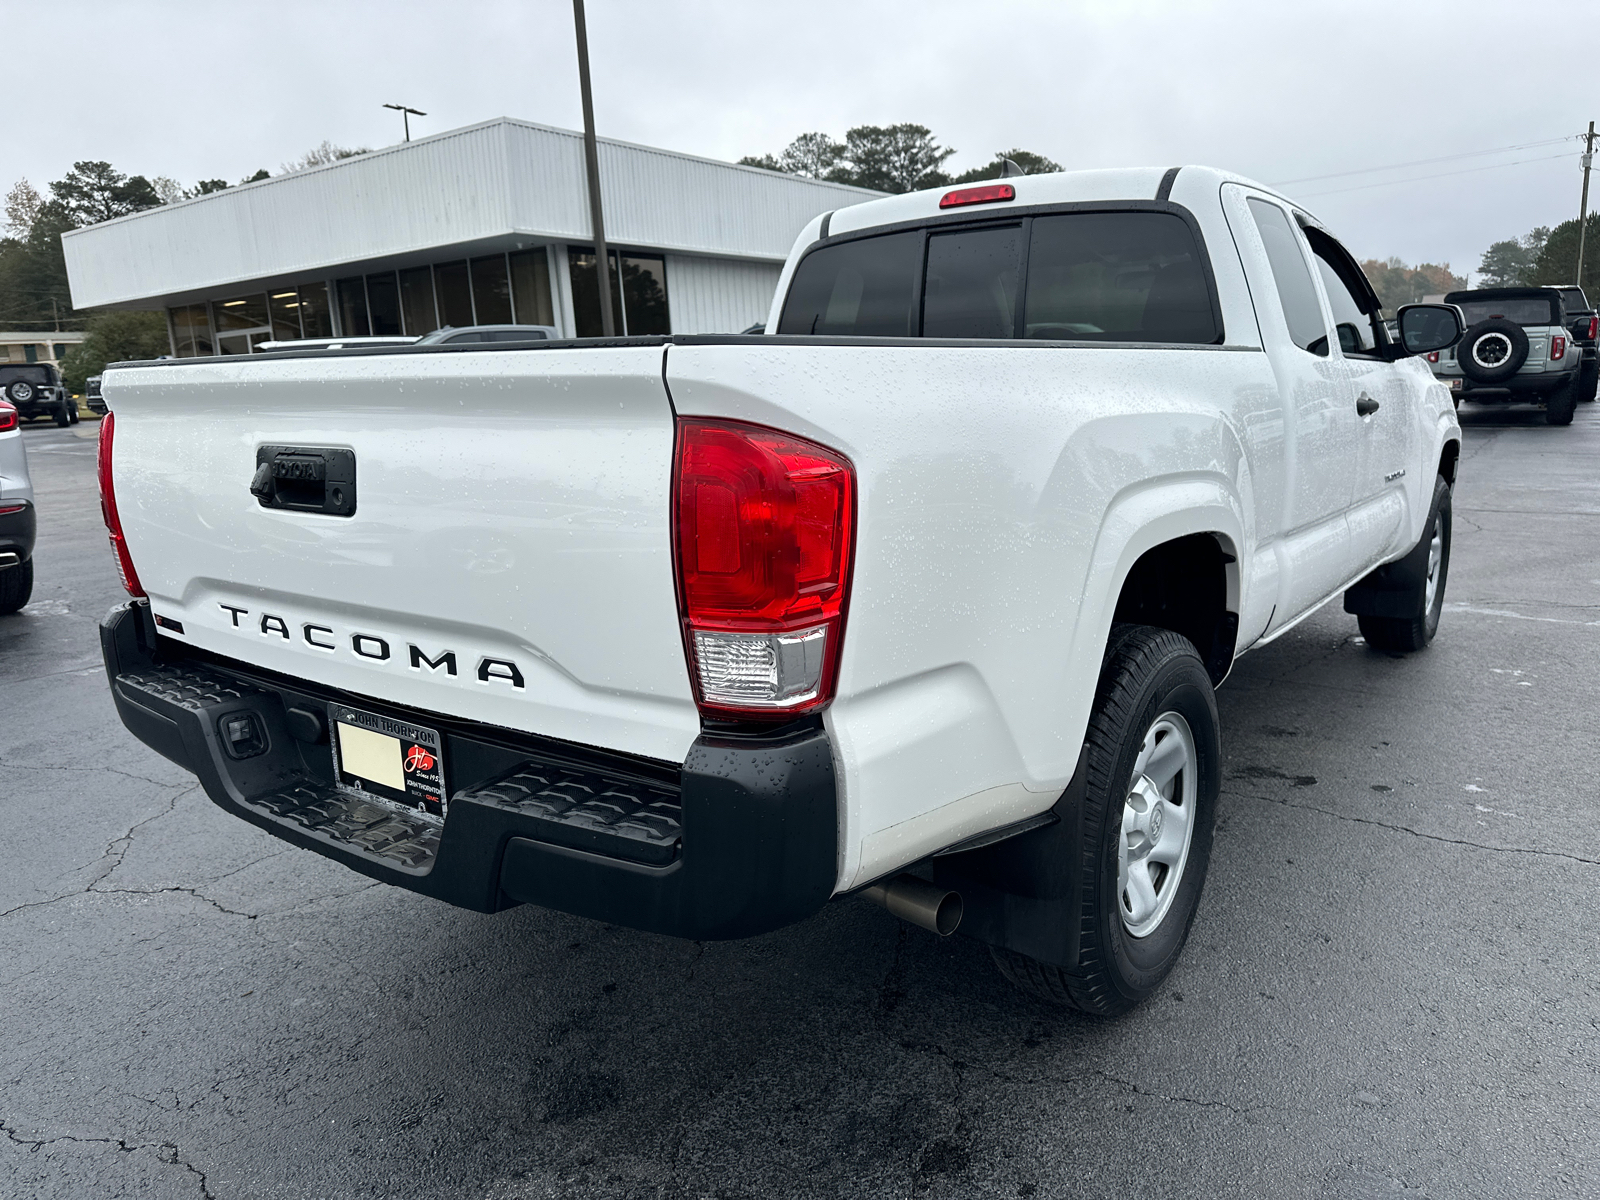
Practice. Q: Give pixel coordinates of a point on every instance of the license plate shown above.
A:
(379, 758)
(1455, 385)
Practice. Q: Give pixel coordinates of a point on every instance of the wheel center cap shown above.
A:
(1155, 822)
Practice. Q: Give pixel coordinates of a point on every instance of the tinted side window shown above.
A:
(1128, 277)
(863, 288)
(1353, 326)
(971, 287)
(1289, 271)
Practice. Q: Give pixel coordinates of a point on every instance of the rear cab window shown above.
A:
(1127, 276)
(1530, 311)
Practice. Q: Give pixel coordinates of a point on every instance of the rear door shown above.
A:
(507, 559)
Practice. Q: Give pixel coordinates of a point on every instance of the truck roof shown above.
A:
(1060, 187)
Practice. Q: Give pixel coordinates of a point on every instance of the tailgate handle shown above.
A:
(305, 479)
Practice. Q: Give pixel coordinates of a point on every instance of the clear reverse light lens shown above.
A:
(760, 670)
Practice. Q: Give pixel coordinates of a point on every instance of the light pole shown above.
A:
(591, 158)
(406, 114)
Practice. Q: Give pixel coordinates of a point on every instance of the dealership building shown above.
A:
(484, 225)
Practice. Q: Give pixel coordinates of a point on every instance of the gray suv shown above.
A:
(1517, 349)
(35, 389)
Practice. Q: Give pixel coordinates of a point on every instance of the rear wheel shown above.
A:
(1559, 404)
(72, 410)
(16, 586)
(1588, 379)
(1153, 771)
(63, 417)
(1402, 635)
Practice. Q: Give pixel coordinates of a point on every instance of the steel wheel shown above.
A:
(1435, 558)
(1157, 824)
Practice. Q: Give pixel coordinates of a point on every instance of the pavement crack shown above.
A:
(15, 766)
(1417, 833)
(1198, 1103)
(699, 953)
(166, 1152)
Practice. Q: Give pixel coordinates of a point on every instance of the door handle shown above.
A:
(1365, 405)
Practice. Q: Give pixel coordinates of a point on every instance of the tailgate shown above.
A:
(508, 560)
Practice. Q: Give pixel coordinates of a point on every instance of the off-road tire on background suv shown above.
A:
(1149, 676)
(1560, 404)
(1504, 348)
(16, 586)
(63, 413)
(1403, 635)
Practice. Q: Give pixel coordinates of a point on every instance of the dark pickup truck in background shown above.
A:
(1584, 323)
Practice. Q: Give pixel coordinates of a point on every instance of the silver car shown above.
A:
(16, 514)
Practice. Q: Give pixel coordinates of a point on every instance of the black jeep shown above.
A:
(36, 391)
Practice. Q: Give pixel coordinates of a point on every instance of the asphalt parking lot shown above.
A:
(1392, 988)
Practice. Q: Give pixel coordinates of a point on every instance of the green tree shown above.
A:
(1511, 263)
(114, 337)
(813, 155)
(1031, 164)
(1557, 259)
(891, 158)
(94, 191)
(206, 186)
(263, 173)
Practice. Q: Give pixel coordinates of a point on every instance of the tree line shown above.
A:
(1545, 255)
(887, 158)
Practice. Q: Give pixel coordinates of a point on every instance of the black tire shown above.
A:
(1404, 635)
(19, 391)
(63, 417)
(1560, 404)
(1588, 380)
(72, 410)
(1492, 351)
(1148, 674)
(16, 586)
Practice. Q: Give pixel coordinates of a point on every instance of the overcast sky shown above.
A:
(1278, 90)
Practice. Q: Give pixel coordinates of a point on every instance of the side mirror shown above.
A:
(1425, 328)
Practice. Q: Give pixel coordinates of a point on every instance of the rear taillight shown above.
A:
(108, 510)
(764, 524)
(1558, 347)
(1594, 328)
(8, 416)
(1433, 356)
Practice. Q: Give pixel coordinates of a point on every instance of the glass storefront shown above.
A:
(638, 293)
(494, 289)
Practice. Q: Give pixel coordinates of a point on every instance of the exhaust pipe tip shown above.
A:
(923, 904)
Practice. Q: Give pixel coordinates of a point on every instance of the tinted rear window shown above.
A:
(31, 374)
(1123, 277)
(1533, 311)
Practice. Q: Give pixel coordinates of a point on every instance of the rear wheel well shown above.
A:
(1182, 585)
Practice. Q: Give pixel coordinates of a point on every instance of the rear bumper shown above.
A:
(739, 840)
(17, 530)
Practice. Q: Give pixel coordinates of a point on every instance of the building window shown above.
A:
(30, 353)
(638, 295)
(285, 308)
(242, 323)
(416, 301)
(383, 305)
(530, 288)
(454, 294)
(315, 319)
(191, 331)
(491, 291)
(59, 351)
(353, 308)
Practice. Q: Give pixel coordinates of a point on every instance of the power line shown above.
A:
(1427, 162)
(1438, 175)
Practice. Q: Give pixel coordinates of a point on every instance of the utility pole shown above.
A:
(591, 158)
(1583, 209)
(406, 114)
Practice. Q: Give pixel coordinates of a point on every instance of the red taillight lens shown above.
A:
(1594, 328)
(978, 195)
(1558, 347)
(763, 531)
(8, 416)
(108, 510)
(1433, 356)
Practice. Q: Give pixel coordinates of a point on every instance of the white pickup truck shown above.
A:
(922, 594)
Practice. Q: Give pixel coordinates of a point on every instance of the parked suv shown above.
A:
(1517, 349)
(1585, 324)
(35, 390)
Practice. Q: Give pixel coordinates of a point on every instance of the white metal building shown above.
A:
(483, 225)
